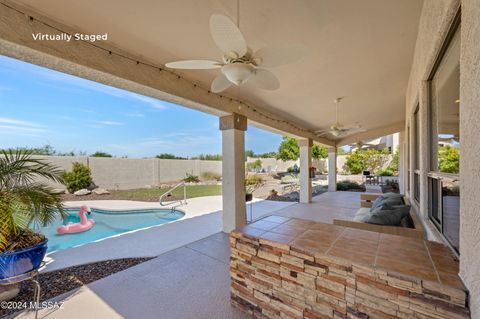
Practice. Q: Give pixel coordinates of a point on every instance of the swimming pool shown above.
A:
(107, 224)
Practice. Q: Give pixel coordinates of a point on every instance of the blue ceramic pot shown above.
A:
(14, 263)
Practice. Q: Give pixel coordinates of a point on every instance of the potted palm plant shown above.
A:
(25, 204)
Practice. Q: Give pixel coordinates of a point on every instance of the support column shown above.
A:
(332, 169)
(233, 129)
(401, 162)
(305, 164)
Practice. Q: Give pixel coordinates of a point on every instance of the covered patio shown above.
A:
(395, 64)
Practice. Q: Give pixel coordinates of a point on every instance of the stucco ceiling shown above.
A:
(361, 50)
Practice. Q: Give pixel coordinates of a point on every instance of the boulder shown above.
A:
(100, 191)
(82, 192)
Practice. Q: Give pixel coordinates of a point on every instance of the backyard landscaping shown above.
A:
(150, 194)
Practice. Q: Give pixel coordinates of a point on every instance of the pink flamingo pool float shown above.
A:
(84, 224)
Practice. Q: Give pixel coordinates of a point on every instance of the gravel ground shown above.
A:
(295, 196)
(57, 282)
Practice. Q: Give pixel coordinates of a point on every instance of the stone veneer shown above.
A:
(274, 279)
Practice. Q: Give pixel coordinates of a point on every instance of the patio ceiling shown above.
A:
(361, 50)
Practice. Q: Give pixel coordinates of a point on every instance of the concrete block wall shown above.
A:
(130, 173)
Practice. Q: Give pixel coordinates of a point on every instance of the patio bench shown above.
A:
(366, 201)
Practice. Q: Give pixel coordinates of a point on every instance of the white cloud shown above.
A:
(113, 123)
(20, 130)
(135, 115)
(5, 88)
(12, 126)
(156, 104)
(7, 120)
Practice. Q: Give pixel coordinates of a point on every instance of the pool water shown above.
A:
(107, 223)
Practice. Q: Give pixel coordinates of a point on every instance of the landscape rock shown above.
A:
(59, 191)
(82, 192)
(100, 191)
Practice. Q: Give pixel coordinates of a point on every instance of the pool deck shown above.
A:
(203, 218)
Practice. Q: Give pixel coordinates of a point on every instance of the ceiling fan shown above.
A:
(360, 144)
(337, 129)
(239, 63)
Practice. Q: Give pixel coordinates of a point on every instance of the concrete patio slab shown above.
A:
(325, 207)
(183, 283)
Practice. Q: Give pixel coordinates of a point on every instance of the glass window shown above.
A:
(445, 110)
(444, 117)
(433, 185)
(451, 212)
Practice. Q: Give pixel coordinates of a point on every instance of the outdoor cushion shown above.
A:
(407, 222)
(388, 215)
(390, 199)
(362, 215)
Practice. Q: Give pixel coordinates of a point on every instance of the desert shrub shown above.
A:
(385, 172)
(293, 169)
(190, 178)
(211, 176)
(253, 166)
(253, 179)
(349, 186)
(287, 179)
(79, 177)
(252, 182)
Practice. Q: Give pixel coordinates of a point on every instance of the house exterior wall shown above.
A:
(436, 20)
(470, 152)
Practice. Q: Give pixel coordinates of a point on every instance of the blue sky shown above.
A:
(40, 106)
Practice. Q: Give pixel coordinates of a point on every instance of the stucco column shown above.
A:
(305, 164)
(332, 169)
(401, 162)
(233, 129)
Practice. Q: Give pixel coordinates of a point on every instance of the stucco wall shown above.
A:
(129, 173)
(470, 152)
(436, 19)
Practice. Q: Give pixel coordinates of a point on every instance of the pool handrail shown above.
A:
(169, 193)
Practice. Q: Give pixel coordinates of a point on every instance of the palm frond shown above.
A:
(18, 167)
(7, 224)
(23, 200)
(38, 203)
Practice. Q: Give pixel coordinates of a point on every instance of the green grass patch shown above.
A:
(155, 193)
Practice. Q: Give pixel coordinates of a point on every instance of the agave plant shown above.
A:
(25, 201)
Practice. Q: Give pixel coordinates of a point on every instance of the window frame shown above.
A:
(432, 170)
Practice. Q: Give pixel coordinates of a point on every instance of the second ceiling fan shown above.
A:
(239, 64)
(338, 129)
